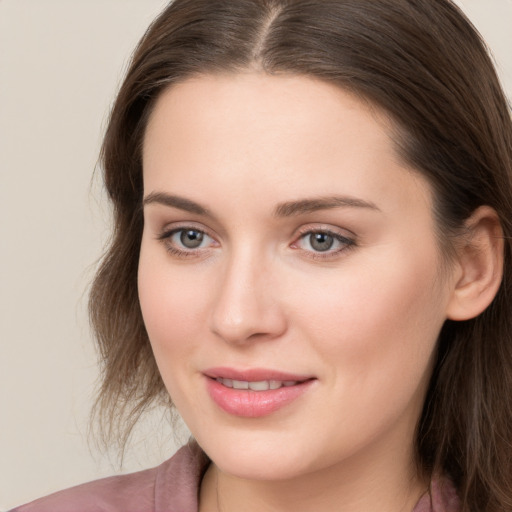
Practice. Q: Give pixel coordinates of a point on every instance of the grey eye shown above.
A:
(191, 238)
(324, 241)
(321, 241)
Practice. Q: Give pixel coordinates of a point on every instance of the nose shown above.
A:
(247, 305)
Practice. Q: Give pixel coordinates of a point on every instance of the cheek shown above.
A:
(173, 307)
(375, 332)
(376, 320)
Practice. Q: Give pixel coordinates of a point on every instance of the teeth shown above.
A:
(261, 385)
(240, 384)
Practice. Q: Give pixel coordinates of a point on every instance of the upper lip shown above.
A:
(254, 374)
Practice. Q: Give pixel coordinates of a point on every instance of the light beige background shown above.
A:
(60, 64)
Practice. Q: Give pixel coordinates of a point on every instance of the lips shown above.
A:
(256, 392)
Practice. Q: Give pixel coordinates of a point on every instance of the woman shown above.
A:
(311, 259)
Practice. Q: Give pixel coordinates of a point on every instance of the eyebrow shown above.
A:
(304, 206)
(287, 209)
(176, 202)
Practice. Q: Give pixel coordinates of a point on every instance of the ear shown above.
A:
(479, 263)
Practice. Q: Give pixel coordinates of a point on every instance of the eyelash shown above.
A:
(166, 237)
(347, 243)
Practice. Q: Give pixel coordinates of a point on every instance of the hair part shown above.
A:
(424, 64)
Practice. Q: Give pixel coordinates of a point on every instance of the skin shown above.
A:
(362, 318)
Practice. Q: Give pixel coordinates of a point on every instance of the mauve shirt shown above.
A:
(173, 487)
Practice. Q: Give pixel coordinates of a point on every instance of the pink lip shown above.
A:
(254, 404)
(253, 374)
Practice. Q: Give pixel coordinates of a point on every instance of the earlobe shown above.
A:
(480, 265)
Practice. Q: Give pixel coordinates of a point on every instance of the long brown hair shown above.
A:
(427, 67)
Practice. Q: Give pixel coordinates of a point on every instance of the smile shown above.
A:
(254, 393)
(261, 385)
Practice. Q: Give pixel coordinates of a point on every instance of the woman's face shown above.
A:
(288, 250)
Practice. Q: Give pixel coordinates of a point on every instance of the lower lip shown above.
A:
(254, 404)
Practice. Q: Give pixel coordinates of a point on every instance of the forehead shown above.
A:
(253, 134)
(255, 103)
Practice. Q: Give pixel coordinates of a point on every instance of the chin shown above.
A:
(257, 466)
(258, 455)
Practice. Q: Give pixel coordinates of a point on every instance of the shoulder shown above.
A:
(125, 492)
(171, 486)
(441, 497)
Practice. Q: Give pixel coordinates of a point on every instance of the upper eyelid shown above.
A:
(337, 236)
(166, 231)
(332, 230)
